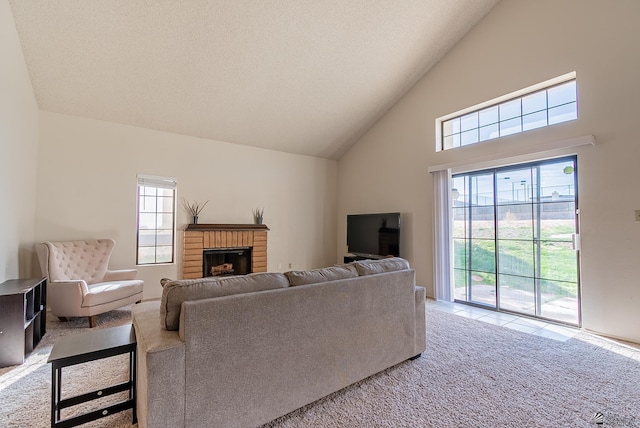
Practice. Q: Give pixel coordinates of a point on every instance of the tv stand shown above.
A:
(354, 257)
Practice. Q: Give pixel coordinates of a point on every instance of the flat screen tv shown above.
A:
(373, 235)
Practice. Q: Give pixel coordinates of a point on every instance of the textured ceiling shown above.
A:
(299, 76)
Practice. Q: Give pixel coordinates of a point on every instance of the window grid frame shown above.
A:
(477, 138)
(159, 210)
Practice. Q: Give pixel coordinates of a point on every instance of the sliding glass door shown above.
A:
(515, 238)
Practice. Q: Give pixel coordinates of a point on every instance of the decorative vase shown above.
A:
(194, 219)
(258, 215)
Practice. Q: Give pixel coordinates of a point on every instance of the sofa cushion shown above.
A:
(176, 292)
(107, 292)
(370, 267)
(314, 276)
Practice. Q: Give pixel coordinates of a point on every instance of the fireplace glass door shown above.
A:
(226, 261)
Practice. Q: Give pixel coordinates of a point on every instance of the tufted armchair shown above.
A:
(79, 283)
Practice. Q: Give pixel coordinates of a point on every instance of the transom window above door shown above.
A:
(545, 104)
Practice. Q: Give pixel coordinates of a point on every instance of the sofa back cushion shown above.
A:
(303, 277)
(176, 292)
(370, 267)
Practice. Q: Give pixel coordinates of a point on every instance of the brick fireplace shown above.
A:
(202, 239)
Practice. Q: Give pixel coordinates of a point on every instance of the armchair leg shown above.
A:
(92, 321)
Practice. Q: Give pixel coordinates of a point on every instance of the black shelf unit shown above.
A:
(23, 318)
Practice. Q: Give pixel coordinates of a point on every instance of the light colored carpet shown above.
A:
(25, 390)
(473, 374)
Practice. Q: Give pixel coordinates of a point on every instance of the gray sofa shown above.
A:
(242, 351)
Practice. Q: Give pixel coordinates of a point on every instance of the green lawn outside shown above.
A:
(558, 266)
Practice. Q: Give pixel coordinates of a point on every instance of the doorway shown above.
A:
(516, 239)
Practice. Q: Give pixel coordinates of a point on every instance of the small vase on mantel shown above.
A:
(258, 215)
(194, 208)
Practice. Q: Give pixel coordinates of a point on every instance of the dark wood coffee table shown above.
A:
(85, 347)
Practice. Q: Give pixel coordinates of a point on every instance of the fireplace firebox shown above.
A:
(228, 261)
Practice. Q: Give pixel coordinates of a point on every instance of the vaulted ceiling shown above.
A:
(300, 76)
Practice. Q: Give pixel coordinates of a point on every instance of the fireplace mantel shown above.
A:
(209, 227)
(200, 237)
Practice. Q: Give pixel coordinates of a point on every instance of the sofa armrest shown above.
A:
(65, 297)
(120, 275)
(421, 328)
(161, 369)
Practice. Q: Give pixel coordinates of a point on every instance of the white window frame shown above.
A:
(548, 84)
(442, 200)
(157, 182)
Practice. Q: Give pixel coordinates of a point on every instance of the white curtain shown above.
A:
(442, 226)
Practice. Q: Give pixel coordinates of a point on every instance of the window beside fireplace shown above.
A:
(155, 220)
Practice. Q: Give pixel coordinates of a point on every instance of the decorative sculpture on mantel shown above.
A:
(194, 209)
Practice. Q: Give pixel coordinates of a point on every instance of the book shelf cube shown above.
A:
(23, 306)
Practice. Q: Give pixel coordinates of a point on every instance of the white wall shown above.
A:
(87, 188)
(18, 142)
(520, 43)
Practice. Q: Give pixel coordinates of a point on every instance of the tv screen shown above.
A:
(373, 235)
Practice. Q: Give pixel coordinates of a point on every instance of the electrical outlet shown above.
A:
(637, 215)
(290, 265)
(279, 266)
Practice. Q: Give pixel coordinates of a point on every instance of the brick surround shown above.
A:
(199, 237)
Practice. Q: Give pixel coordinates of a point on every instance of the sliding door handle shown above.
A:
(575, 241)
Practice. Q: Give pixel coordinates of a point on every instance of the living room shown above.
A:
(307, 198)
(71, 177)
